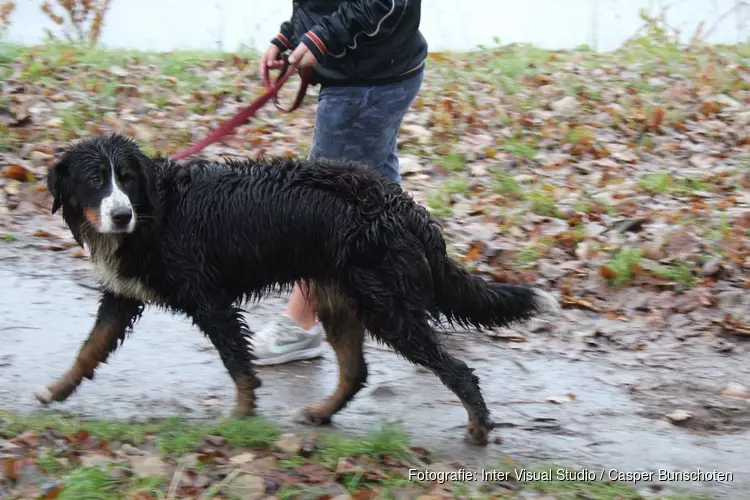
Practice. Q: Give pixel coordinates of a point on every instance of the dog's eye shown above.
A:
(94, 180)
(127, 177)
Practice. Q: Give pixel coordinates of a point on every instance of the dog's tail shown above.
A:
(469, 300)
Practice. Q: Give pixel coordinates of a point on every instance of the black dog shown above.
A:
(201, 238)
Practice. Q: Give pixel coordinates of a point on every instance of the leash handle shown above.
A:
(244, 115)
(305, 75)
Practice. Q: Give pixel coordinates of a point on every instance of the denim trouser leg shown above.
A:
(362, 123)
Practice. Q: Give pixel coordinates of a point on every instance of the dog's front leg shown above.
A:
(228, 332)
(115, 316)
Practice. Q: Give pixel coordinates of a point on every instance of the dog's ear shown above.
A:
(149, 173)
(55, 182)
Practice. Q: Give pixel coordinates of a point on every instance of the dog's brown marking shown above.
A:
(477, 432)
(114, 317)
(345, 333)
(245, 405)
(92, 216)
(101, 342)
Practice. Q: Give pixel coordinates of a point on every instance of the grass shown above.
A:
(457, 185)
(578, 134)
(439, 205)
(388, 441)
(173, 435)
(598, 490)
(542, 204)
(655, 182)
(519, 148)
(91, 483)
(172, 63)
(527, 256)
(506, 185)
(97, 483)
(439, 201)
(452, 162)
(678, 272)
(664, 183)
(622, 265)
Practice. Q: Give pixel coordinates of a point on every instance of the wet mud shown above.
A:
(561, 399)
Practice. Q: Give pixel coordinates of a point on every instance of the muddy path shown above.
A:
(563, 397)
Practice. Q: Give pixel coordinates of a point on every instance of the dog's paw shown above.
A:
(241, 412)
(44, 396)
(477, 435)
(309, 416)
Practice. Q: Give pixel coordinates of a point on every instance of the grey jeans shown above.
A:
(361, 123)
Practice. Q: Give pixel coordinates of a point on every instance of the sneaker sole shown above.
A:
(304, 354)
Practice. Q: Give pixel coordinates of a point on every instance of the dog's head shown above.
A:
(105, 182)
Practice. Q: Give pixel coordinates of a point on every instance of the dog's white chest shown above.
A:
(105, 268)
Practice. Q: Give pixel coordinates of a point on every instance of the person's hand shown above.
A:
(271, 59)
(303, 57)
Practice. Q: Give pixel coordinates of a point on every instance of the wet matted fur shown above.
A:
(201, 238)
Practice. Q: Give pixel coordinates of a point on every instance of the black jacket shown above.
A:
(357, 42)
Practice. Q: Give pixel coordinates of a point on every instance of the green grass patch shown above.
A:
(91, 483)
(596, 489)
(439, 204)
(520, 148)
(542, 203)
(381, 446)
(527, 256)
(622, 265)
(663, 183)
(577, 134)
(678, 272)
(452, 162)
(456, 185)
(504, 184)
(439, 201)
(172, 435)
(655, 182)
(389, 439)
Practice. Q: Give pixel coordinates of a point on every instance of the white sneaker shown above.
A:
(284, 341)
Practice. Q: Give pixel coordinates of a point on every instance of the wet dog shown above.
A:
(201, 238)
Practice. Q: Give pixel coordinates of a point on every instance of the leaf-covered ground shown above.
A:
(63, 458)
(601, 175)
(617, 180)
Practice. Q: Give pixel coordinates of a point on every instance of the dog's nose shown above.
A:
(121, 215)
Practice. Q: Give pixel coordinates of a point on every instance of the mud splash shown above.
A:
(559, 401)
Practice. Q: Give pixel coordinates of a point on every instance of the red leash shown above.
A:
(272, 91)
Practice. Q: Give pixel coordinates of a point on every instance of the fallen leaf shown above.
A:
(18, 173)
(607, 273)
(656, 118)
(560, 399)
(736, 390)
(679, 416)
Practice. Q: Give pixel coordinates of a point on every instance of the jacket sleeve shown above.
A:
(284, 40)
(356, 19)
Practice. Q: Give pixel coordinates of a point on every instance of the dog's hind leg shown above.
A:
(393, 301)
(115, 316)
(416, 341)
(345, 334)
(228, 332)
